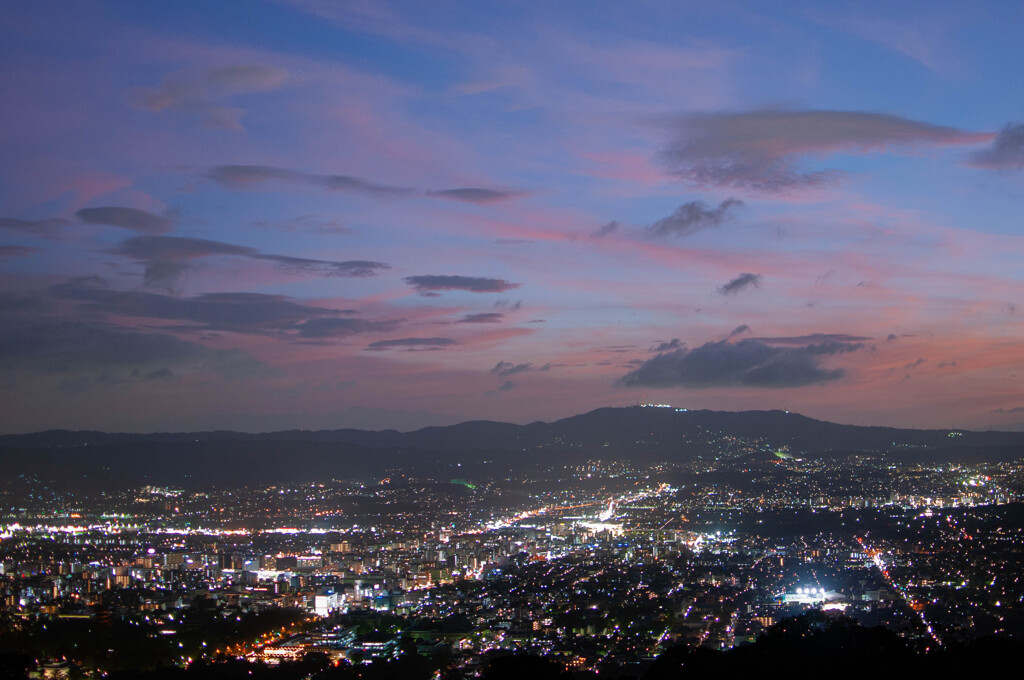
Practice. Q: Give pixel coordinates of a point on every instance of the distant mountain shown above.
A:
(640, 432)
(643, 428)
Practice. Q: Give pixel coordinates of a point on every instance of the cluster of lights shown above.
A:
(677, 410)
(810, 591)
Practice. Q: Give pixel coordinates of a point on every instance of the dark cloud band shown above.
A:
(166, 257)
(433, 283)
(411, 344)
(243, 176)
(750, 362)
(236, 312)
(475, 195)
(112, 353)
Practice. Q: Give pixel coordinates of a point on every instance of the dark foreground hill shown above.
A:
(808, 646)
(223, 457)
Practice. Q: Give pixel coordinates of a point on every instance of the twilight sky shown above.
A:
(320, 214)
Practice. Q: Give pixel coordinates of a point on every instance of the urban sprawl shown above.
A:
(601, 566)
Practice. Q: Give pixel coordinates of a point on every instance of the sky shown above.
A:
(316, 214)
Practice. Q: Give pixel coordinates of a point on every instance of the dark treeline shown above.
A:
(811, 644)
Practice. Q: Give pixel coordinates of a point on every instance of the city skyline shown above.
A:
(317, 215)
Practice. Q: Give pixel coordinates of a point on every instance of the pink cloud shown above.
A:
(72, 184)
(630, 166)
(204, 92)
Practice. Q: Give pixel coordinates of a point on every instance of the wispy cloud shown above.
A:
(126, 218)
(1005, 153)
(813, 338)
(246, 176)
(482, 317)
(339, 328)
(740, 283)
(11, 252)
(672, 344)
(204, 92)
(762, 151)
(47, 228)
(507, 368)
(692, 217)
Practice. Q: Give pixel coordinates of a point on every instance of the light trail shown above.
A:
(912, 604)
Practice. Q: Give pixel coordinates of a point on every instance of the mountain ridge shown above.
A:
(587, 427)
(120, 460)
